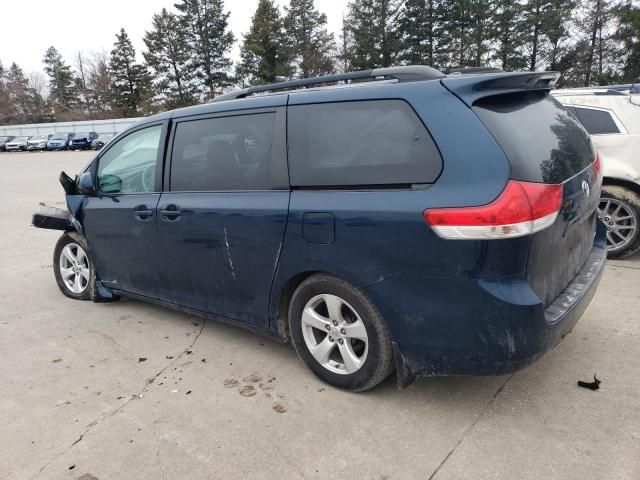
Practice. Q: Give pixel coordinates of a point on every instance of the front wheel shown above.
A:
(619, 210)
(71, 266)
(339, 334)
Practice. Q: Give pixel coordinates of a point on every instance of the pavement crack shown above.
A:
(630, 267)
(471, 427)
(106, 415)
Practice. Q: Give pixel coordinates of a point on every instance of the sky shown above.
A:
(91, 25)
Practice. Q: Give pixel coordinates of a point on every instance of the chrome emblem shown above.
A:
(586, 189)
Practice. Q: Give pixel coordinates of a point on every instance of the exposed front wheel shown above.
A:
(619, 210)
(72, 267)
(339, 334)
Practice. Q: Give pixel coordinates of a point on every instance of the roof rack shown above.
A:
(409, 73)
(471, 70)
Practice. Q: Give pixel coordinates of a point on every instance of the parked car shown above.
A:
(611, 115)
(37, 143)
(102, 139)
(3, 142)
(17, 144)
(82, 140)
(444, 225)
(58, 141)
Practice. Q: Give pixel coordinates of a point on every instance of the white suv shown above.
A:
(611, 115)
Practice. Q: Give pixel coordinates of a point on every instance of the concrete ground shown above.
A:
(77, 402)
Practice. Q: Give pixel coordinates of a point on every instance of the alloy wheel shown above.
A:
(621, 223)
(74, 268)
(334, 334)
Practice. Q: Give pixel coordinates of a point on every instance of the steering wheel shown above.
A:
(148, 177)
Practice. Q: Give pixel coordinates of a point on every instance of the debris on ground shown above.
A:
(595, 385)
(142, 359)
(278, 407)
(56, 360)
(188, 392)
(169, 357)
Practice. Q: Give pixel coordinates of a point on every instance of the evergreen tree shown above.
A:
(420, 31)
(168, 58)
(205, 25)
(4, 98)
(264, 56)
(25, 105)
(61, 82)
(310, 44)
(507, 31)
(374, 33)
(628, 17)
(129, 79)
(467, 33)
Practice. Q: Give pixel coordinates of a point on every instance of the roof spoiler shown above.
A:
(470, 89)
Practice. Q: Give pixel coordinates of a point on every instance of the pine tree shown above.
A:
(467, 32)
(168, 58)
(61, 82)
(372, 26)
(4, 98)
(507, 32)
(205, 25)
(418, 26)
(264, 57)
(310, 44)
(628, 17)
(129, 79)
(25, 105)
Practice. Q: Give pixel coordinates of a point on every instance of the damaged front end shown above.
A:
(52, 218)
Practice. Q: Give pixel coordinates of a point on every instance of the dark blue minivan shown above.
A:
(396, 218)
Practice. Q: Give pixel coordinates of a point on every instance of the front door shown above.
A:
(119, 221)
(222, 217)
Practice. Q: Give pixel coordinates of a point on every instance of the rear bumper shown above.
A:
(446, 326)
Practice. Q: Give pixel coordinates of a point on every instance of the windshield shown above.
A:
(59, 137)
(82, 134)
(20, 139)
(4, 139)
(38, 139)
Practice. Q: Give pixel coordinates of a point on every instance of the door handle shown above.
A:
(142, 212)
(170, 213)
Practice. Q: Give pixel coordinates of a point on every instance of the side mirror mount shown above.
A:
(85, 184)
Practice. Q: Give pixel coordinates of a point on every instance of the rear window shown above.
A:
(380, 142)
(543, 141)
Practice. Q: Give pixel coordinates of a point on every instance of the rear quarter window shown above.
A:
(596, 122)
(360, 143)
(542, 140)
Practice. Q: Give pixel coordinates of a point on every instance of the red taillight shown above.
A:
(597, 165)
(521, 209)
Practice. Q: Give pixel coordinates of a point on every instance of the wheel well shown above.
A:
(285, 298)
(622, 183)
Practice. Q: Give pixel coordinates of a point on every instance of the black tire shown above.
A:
(72, 238)
(378, 364)
(631, 201)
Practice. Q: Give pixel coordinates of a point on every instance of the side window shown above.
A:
(380, 142)
(129, 166)
(596, 122)
(223, 153)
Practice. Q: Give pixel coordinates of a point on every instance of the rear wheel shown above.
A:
(619, 210)
(339, 334)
